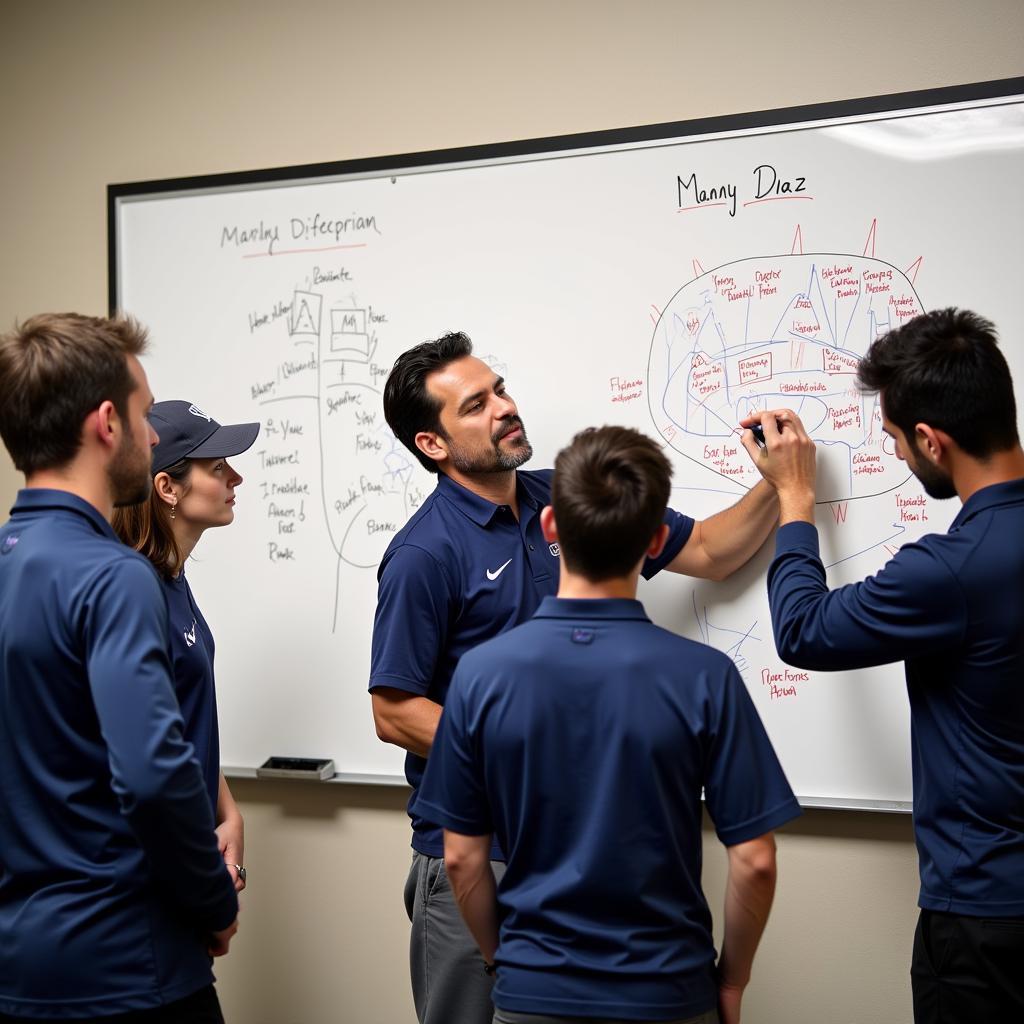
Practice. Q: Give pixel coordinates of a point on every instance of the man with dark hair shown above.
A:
(410, 406)
(113, 893)
(470, 564)
(950, 606)
(583, 739)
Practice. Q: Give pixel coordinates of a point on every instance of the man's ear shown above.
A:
(658, 541)
(931, 443)
(105, 424)
(432, 445)
(548, 525)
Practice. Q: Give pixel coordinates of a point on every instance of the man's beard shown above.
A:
(936, 483)
(495, 460)
(130, 472)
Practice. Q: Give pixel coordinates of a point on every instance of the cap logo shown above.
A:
(196, 411)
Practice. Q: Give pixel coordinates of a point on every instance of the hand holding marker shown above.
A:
(784, 455)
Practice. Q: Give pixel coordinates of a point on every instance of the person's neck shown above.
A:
(499, 488)
(970, 475)
(186, 537)
(91, 487)
(573, 586)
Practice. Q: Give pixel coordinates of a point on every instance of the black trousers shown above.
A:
(201, 1007)
(968, 970)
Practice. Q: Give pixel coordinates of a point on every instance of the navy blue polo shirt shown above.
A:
(952, 607)
(582, 740)
(461, 571)
(110, 876)
(192, 653)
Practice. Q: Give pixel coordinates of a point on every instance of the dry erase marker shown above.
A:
(758, 431)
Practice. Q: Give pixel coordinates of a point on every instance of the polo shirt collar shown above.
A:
(591, 608)
(531, 493)
(1009, 493)
(480, 510)
(47, 499)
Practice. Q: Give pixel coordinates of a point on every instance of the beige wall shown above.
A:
(323, 934)
(105, 91)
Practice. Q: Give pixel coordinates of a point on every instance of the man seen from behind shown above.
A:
(470, 564)
(582, 740)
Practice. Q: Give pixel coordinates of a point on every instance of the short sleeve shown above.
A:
(679, 529)
(745, 788)
(452, 792)
(410, 626)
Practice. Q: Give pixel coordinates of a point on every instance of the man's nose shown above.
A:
(506, 407)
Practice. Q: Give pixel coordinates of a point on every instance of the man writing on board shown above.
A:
(952, 607)
(583, 739)
(469, 565)
(113, 892)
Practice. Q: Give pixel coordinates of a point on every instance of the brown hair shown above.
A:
(147, 526)
(55, 369)
(609, 493)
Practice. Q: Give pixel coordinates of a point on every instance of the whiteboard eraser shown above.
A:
(318, 768)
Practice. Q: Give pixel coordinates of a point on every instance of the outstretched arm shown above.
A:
(722, 543)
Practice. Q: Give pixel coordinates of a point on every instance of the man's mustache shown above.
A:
(514, 423)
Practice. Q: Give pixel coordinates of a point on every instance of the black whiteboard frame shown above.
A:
(795, 118)
(798, 117)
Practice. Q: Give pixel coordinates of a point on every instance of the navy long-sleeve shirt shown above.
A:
(192, 652)
(952, 607)
(110, 876)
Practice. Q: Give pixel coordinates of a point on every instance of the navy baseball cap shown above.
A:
(186, 432)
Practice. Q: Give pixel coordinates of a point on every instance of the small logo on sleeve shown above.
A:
(582, 636)
(190, 635)
(554, 549)
(10, 542)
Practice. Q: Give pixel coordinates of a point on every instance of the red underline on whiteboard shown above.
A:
(699, 206)
(290, 252)
(775, 199)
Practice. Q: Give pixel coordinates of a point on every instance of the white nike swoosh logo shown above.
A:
(497, 572)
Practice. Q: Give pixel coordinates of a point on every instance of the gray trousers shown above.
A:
(508, 1017)
(449, 985)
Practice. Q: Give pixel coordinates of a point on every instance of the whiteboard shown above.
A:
(670, 279)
